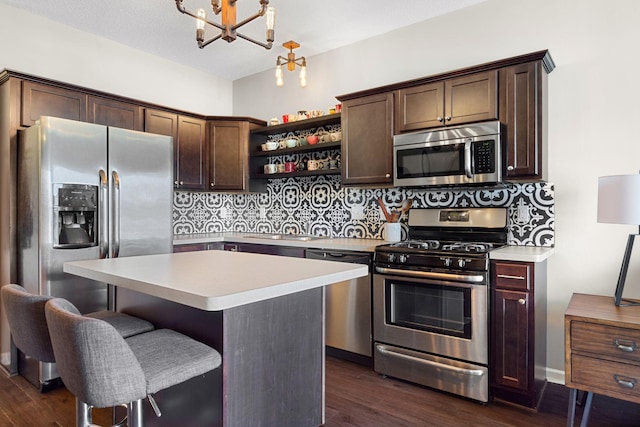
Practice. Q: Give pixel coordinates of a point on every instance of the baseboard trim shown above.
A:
(555, 376)
(5, 358)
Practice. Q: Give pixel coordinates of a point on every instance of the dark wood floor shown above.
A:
(355, 396)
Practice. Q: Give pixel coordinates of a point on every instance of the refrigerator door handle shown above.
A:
(103, 214)
(115, 218)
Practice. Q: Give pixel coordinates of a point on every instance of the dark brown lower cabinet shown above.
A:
(518, 331)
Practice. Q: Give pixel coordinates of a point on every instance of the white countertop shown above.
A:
(343, 243)
(522, 253)
(216, 280)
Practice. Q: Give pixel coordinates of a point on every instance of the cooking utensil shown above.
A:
(385, 212)
(406, 205)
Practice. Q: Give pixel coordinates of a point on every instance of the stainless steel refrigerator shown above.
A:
(87, 191)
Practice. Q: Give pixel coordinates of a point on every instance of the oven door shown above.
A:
(438, 316)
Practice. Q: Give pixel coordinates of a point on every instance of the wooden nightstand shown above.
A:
(601, 351)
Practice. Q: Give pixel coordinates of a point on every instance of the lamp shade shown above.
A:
(619, 199)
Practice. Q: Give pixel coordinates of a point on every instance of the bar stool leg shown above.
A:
(83, 414)
(135, 414)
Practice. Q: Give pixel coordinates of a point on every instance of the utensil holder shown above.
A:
(392, 231)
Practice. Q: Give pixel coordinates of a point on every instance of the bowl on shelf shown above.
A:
(271, 145)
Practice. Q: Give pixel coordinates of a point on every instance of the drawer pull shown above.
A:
(626, 382)
(629, 348)
(507, 276)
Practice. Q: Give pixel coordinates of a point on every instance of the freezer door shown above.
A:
(141, 192)
(71, 153)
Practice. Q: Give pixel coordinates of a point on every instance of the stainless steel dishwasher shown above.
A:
(348, 308)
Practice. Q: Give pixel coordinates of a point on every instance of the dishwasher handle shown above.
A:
(352, 257)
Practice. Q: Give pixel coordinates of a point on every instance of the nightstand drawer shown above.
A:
(616, 378)
(604, 340)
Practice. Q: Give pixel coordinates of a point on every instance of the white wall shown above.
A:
(38, 46)
(593, 106)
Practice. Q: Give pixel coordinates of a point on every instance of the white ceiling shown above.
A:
(156, 26)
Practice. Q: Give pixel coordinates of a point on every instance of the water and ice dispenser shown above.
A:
(75, 216)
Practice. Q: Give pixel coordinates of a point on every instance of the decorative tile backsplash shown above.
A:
(319, 205)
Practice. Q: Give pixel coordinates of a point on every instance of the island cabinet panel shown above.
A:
(228, 155)
(455, 101)
(518, 338)
(521, 112)
(45, 100)
(367, 140)
(119, 114)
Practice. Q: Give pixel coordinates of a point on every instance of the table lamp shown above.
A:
(619, 203)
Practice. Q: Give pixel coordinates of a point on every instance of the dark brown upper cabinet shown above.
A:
(119, 114)
(189, 146)
(45, 100)
(523, 101)
(228, 155)
(367, 140)
(466, 99)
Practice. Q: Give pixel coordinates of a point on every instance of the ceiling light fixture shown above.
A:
(228, 26)
(291, 62)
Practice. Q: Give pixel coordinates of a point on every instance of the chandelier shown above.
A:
(291, 62)
(229, 26)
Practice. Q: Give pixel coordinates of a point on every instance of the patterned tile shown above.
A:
(321, 206)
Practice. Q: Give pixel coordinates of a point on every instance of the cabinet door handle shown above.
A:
(507, 276)
(448, 118)
(629, 347)
(440, 119)
(522, 301)
(625, 382)
(510, 168)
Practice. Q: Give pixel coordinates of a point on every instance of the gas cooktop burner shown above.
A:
(478, 247)
(467, 247)
(417, 244)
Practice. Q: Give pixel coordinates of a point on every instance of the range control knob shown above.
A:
(403, 258)
(447, 261)
(391, 257)
(461, 263)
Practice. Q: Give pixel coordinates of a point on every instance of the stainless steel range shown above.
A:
(431, 300)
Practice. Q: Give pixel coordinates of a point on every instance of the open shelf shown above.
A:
(294, 174)
(331, 119)
(304, 149)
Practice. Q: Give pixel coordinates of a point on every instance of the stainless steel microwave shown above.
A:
(456, 155)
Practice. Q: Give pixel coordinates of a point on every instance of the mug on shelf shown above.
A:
(312, 139)
(290, 167)
(314, 165)
(270, 168)
(280, 167)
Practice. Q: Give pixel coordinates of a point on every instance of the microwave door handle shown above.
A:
(467, 159)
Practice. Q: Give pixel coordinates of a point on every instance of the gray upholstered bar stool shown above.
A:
(102, 369)
(25, 314)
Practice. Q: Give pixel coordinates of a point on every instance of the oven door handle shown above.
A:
(466, 278)
(384, 350)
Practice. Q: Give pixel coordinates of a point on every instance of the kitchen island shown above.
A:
(264, 314)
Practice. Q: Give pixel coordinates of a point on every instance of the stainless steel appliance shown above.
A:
(87, 191)
(348, 309)
(457, 155)
(431, 300)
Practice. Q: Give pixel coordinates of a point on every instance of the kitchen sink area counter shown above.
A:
(282, 239)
